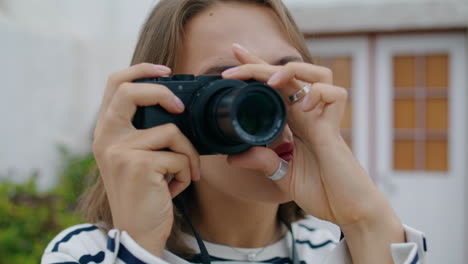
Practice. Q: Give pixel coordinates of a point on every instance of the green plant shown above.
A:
(29, 219)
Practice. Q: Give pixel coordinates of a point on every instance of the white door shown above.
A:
(406, 123)
(420, 118)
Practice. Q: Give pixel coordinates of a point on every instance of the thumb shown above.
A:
(257, 158)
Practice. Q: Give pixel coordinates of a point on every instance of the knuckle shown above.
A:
(99, 143)
(157, 179)
(116, 156)
(288, 67)
(110, 115)
(97, 148)
(126, 89)
(327, 72)
(113, 77)
(172, 129)
(342, 93)
(142, 164)
(185, 160)
(116, 160)
(291, 65)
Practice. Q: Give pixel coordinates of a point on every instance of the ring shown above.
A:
(281, 171)
(299, 94)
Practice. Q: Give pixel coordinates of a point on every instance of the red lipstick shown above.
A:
(285, 151)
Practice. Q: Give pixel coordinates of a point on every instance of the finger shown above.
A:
(325, 93)
(262, 73)
(244, 56)
(166, 136)
(306, 72)
(123, 106)
(138, 71)
(175, 164)
(259, 72)
(257, 158)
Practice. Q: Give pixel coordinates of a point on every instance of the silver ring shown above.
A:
(281, 171)
(299, 94)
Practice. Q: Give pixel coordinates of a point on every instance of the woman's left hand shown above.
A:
(324, 185)
(324, 177)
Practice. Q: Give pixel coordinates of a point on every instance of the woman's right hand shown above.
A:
(132, 169)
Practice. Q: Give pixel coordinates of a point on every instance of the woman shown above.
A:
(241, 214)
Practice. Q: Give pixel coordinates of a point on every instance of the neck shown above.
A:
(226, 220)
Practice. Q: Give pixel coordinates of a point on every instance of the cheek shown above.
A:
(219, 177)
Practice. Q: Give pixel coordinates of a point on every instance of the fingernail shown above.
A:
(199, 174)
(274, 78)
(159, 68)
(179, 103)
(230, 71)
(240, 47)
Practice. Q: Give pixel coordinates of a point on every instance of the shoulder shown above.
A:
(78, 240)
(315, 238)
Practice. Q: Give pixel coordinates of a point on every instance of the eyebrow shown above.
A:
(220, 68)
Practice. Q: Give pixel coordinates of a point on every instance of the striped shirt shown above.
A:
(86, 243)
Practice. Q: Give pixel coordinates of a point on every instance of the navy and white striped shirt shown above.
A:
(86, 243)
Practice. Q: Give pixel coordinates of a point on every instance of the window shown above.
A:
(420, 111)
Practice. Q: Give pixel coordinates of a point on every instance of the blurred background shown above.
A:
(404, 64)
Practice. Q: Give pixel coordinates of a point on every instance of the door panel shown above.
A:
(410, 118)
(420, 132)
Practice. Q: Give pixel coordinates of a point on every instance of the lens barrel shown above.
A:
(249, 114)
(231, 115)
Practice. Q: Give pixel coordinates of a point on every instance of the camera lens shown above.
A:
(256, 113)
(252, 113)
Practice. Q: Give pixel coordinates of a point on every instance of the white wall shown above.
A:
(329, 16)
(55, 59)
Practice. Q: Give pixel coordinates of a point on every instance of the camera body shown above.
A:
(222, 116)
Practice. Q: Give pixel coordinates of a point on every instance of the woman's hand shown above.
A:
(324, 178)
(315, 124)
(134, 174)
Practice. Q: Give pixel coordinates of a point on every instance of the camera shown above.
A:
(222, 116)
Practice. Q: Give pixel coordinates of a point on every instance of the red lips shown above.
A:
(285, 151)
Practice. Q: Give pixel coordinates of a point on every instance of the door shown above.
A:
(420, 132)
(406, 123)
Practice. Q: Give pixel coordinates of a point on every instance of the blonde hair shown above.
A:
(160, 40)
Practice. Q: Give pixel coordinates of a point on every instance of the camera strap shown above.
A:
(205, 257)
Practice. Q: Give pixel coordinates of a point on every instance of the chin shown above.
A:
(244, 184)
(260, 188)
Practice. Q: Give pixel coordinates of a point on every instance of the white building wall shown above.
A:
(55, 59)
(378, 15)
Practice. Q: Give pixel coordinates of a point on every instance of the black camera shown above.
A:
(222, 116)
